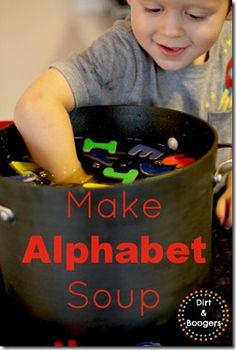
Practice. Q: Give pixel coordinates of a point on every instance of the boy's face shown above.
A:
(177, 33)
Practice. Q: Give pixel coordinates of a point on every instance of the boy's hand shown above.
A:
(224, 205)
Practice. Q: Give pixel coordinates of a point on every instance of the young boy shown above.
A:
(168, 53)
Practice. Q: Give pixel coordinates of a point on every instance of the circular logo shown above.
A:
(203, 315)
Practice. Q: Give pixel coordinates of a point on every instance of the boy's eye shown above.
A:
(153, 10)
(195, 17)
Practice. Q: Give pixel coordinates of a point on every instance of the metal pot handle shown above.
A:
(222, 169)
(6, 214)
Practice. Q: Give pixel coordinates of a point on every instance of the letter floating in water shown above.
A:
(110, 147)
(100, 158)
(24, 168)
(180, 160)
(149, 170)
(145, 151)
(126, 178)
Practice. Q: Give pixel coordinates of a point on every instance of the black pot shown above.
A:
(185, 196)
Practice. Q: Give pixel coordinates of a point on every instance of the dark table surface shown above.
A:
(19, 329)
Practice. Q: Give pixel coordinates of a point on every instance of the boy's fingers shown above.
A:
(224, 212)
(229, 220)
(221, 209)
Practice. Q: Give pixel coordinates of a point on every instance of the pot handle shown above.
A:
(6, 214)
(222, 169)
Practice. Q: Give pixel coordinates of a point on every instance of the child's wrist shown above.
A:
(74, 176)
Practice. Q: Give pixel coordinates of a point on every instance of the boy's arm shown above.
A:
(41, 116)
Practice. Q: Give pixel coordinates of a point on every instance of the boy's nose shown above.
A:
(171, 25)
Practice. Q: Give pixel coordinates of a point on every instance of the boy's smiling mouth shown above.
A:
(171, 51)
